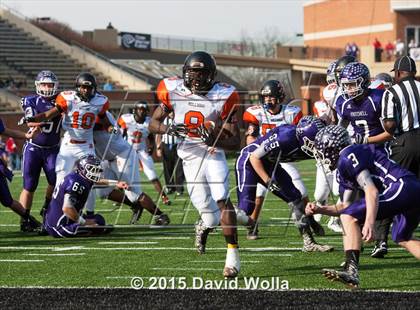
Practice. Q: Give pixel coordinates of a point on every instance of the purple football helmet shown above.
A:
(89, 167)
(329, 141)
(306, 130)
(46, 77)
(354, 80)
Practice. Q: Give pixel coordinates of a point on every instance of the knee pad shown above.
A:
(241, 217)
(298, 212)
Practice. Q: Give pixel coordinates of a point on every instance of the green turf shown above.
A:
(169, 252)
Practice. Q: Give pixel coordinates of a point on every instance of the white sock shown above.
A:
(232, 258)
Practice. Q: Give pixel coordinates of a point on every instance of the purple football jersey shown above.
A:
(78, 187)
(364, 116)
(279, 139)
(358, 157)
(50, 134)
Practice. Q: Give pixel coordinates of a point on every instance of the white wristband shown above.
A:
(81, 220)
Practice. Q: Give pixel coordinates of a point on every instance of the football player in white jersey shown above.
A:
(204, 113)
(121, 162)
(135, 127)
(79, 108)
(270, 113)
(325, 181)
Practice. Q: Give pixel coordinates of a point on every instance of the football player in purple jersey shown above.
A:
(389, 191)
(63, 217)
(260, 162)
(7, 175)
(40, 152)
(360, 105)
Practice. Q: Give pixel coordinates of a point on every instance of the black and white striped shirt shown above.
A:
(401, 103)
(169, 139)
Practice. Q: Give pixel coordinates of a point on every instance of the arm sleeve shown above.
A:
(121, 123)
(61, 103)
(105, 108)
(250, 118)
(230, 107)
(163, 96)
(388, 106)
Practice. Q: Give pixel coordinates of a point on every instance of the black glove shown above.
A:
(273, 186)
(177, 130)
(206, 136)
(150, 150)
(360, 139)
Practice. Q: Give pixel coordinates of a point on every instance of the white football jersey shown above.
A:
(331, 93)
(289, 114)
(321, 108)
(136, 133)
(80, 116)
(219, 104)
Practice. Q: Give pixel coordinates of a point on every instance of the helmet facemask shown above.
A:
(198, 80)
(93, 172)
(46, 84)
(352, 89)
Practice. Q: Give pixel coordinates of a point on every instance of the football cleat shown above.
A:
(380, 250)
(310, 245)
(252, 232)
(30, 224)
(334, 224)
(230, 272)
(161, 220)
(348, 277)
(201, 234)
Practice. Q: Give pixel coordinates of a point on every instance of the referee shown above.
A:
(401, 115)
(172, 164)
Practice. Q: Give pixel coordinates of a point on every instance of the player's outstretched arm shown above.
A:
(70, 210)
(19, 134)
(365, 181)
(155, 125)
(44, 116)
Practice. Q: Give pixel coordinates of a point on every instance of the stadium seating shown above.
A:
(23, 56)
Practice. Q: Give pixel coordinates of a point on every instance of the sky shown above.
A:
(201, 19)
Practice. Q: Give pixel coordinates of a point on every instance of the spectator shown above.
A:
(399, 48)
(378, 50)
(11, 149)
(411, 45)
(110, 26)
(2, 84)
(389, 50)
(108, 86)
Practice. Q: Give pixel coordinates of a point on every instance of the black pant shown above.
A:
(405, 151)
(172, 168)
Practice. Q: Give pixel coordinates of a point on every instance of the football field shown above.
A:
(165, 257)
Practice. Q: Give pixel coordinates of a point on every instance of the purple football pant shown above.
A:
(247, 180)
(66, 228)
(401, 201)
(5, 196)
(35, 158)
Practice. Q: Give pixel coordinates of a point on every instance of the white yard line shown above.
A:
(261, 254)
(55, 254)
(186, 269)
(128, 242)
(21, 260)
(163, 238)
(222, 261)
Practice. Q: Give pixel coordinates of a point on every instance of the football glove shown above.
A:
(360, 139)
(25, 120)
(273, 186)
(177, 130)
(206, 136)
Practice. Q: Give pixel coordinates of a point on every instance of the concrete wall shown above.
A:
(129, 81)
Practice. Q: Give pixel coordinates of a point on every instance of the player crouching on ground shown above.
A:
(390, 191)
(63, 217)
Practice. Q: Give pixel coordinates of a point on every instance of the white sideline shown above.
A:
(128, 242)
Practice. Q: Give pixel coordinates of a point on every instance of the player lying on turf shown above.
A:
(390, 191)
(64, 214)
(261, 162)
(7, 175)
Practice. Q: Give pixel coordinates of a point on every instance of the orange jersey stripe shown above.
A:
(250, 118)
(163, 95)
(61, 102)
(231, 105)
